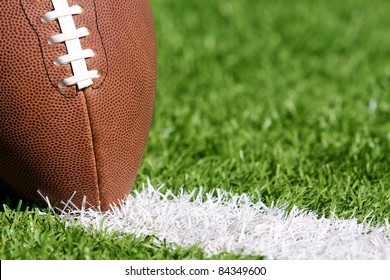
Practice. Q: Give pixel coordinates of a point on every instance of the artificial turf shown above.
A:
(288, 99)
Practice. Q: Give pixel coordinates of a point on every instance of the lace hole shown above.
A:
(44, 20)
(88, 30)
(82, 9)
(61, 85)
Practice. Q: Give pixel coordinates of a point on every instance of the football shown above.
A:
(77, 89)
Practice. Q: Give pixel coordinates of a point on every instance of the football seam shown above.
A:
(41, 50)
(93, 147)
(103, 46)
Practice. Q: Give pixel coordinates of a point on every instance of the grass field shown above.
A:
(289, 99)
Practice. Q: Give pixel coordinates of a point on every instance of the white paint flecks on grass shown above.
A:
(225, 222)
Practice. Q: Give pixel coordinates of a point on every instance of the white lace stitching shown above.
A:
(71, 37)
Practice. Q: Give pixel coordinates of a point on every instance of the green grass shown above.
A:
(34, 235)
(286, 98)
(274, 96)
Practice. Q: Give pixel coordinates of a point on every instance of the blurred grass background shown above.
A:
(288, 98)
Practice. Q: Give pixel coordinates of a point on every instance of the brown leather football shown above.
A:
(77, 88)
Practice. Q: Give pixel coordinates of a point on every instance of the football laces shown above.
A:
(76, 56)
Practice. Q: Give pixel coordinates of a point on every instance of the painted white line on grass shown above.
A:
(225, 222)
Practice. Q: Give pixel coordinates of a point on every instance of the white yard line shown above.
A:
(225, 222)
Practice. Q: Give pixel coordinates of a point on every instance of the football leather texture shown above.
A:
(77, 90)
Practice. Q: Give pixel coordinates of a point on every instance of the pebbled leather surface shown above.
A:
(60, 141)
